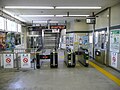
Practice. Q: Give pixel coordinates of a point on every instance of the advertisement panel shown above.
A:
(114, 59)
(114, 40)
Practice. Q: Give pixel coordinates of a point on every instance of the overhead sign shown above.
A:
(114, 59)
(25, 61)
(57, 27)
(8, 60)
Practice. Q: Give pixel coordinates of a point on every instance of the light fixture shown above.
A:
(72, 15)
(36, 15)
(60, 15)
(29, 7)
(79, 15)
(75, 7)
(37, 21)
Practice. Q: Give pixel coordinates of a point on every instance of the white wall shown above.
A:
(102, 20)
(115, 15)
(78, 26)
(81, 26)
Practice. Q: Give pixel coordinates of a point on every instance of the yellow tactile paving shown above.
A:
(109, 75)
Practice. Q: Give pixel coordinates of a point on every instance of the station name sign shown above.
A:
(58, 27)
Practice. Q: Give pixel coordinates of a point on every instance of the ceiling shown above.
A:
(17, 12)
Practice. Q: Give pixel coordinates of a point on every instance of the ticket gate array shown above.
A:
(53, 56)
(69, 58)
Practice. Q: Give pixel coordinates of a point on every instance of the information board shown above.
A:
(8, 60)
(114, 40)
(25, 61)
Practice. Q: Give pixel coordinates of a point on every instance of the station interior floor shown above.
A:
(61, 78)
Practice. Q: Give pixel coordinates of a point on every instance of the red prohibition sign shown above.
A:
(25, 60)
(8, 60)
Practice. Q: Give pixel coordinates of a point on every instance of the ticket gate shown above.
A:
(53, 56)
(69, 58)
(83, 56)
(54, 59)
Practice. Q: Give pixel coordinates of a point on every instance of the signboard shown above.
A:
(8, 60)
(114, 59)
(90, 20)
(114, 40)
(25, 61)
(57, 27)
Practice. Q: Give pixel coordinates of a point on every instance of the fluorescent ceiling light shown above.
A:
(72, 15)
(45, 22)
(36, 15)
(69, 7)
(29, 7)
(39, 22)
(79, 15)
(60, 15)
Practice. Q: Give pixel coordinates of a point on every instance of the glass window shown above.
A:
(9, 28)
(19, 28)
(2, 23)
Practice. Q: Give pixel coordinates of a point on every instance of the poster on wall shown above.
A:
(114, 40)
(114, 59)
(80, 39)
(25, 60)
(8, 60)
(85, 40)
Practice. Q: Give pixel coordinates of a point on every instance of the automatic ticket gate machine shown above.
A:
(53, 56)
(69, 58)
(83, 56)
(53, 59)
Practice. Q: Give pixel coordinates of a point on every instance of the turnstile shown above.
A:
(83, 57)
(69, 58)
(53, 56)
(54, 59)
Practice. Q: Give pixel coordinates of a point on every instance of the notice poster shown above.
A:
(114, 59)
(85, 40)
(8, 60)
(80, 39)
(25, 61)
(114, 40)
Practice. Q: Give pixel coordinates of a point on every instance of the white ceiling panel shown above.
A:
(102, 3)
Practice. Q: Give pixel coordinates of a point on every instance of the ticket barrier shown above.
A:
(38, 57)
(53, 56)
(83, 57)
(69, 58)
(54, 59)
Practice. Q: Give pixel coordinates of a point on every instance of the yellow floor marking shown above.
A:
(109, 75)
